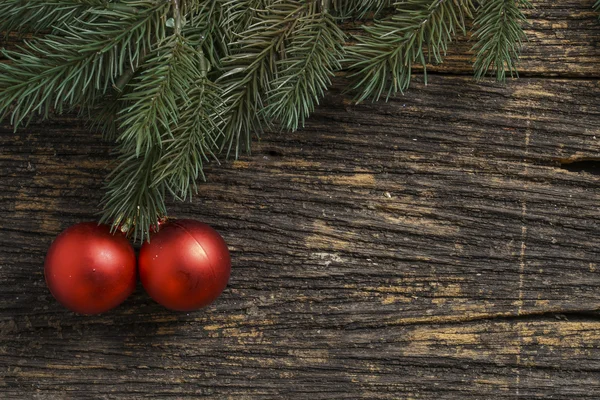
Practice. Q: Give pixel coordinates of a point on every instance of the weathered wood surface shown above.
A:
(562, 41)
(434, 247)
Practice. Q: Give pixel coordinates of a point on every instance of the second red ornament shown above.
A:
(185, 266)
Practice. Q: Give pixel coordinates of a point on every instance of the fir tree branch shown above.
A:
(250, 69)
(76, 65)
(499, 37)
(360, 8)
(37, 15)
(157, 93)
(159, 98)
(104, 116)
(194, 140)
(207, 28)
(311, 57)
(419, 32)
(133, 203)
(597, 5)
(364, 7)
(243, 13)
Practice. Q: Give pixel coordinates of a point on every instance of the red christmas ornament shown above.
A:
(89, 270)
(185, 266)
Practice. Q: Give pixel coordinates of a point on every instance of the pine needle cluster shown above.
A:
(177, 83)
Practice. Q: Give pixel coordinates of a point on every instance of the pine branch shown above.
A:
(37, 15)
(105, 115)
(361, 8)
(343, 9)
(156, 94)
(195, 139)
(207, 28)
(160, 100)
(499, 37)
(250, 70)
(241, 14)
(419, 32)
(597, 5)
(372, 6)
(304, 73)
(103, 118)
(133, 203)
(77, 64)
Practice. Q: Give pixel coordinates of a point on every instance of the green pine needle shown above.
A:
(419, 32)
(364, 7)
(133, 203)
(157, 93)
(304, 72)
(205, 27)
(241, 14)
(250, 69)
(149, 127)
(103, 117)
(74, 65)
(37, 15)
(195, 139)
(499, 34)
(361, 8)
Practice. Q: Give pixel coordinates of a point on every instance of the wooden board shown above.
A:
(443, 245)
(562, 40)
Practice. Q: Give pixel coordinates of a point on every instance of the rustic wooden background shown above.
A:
(443, 245)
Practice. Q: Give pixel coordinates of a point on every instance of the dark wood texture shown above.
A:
(443, 245)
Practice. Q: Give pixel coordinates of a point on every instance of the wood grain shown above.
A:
(443, 245)
(409, 249)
